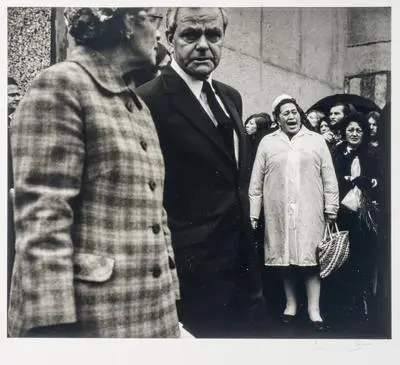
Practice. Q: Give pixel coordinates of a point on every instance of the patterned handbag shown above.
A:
(333, 251)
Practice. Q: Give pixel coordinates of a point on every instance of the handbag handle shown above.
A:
(327, 231)
(335, 228)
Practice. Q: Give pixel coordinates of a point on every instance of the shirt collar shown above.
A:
(194, 84)
(303, 130)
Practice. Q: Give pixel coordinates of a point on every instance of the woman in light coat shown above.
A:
(294, 179)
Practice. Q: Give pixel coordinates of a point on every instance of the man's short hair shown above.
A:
(12, 81)
(347, 108)
(171, 19)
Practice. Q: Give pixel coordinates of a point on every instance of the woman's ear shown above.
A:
(128, 28)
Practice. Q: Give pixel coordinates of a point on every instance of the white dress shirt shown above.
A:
(196, 87)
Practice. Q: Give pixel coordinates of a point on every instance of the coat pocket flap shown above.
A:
(92, 267)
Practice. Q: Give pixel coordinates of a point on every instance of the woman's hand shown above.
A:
(330, 218)
(329, 136)
(363, 182)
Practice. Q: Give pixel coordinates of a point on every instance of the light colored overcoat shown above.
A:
(92, 242)
(295, 181)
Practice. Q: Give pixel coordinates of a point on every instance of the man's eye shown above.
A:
(213, 36)
(190, 36)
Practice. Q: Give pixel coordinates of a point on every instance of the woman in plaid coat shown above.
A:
(93, 250)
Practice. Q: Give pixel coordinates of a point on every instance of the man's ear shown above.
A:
(169, 37)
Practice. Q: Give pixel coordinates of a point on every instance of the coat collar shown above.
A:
(100, 69)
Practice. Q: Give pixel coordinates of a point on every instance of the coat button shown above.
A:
(152, 185)
(156, 228)
(171, 263)
(129, 105)
(156, 271)
(143, 143)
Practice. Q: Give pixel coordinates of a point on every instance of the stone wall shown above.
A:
(368, 55)
(270, 51)
(29, 43)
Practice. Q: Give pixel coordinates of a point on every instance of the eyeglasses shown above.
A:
(155, 20)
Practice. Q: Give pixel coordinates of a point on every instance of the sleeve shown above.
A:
(168, 242)
(257, 182)
(329, 181)
(340, 164)
(48, 154)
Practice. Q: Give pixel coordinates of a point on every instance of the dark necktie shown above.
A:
(225, 125)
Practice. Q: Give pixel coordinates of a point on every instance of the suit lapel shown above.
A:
(186, 103)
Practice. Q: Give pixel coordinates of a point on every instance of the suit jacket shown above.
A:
(92, 241)
(205, 191)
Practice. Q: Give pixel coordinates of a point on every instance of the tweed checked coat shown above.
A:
(93, 246)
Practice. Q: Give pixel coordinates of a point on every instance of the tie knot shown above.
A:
(207, 89)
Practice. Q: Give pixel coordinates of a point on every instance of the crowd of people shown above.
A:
(353, 161)
(143, 206)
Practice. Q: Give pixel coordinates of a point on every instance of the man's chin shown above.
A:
(201, 72)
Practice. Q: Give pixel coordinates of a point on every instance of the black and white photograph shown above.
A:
(199, 173)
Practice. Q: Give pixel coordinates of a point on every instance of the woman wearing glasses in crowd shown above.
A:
(93, 250)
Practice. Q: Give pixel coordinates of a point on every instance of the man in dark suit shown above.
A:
(199, 121)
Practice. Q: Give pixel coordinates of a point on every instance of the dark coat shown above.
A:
(205, 191)
(369, 163)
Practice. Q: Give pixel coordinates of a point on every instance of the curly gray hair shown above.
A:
(172, 19)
